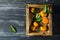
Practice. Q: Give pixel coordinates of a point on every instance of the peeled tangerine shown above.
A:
(35, 24)
(45, 20)
(43, 28)
(32, 10)
(43, 14)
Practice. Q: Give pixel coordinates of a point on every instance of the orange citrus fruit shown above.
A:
(43, 28)
(43, 14)
(32, 10)
(33, 28)
(45, 20)
(35, 24)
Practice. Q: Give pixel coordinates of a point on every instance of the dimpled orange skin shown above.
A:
(32, 10)
(43, 14)
(45, 20)
(43, 28)
(35, 24)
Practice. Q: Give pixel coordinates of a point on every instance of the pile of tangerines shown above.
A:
(41, 20)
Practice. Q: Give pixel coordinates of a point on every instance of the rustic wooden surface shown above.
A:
(18, 3)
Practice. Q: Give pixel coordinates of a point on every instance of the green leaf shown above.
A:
(38, 19)
(49, 11)
(12, 28)
(37, 16)
(45, 8)
(35, 11)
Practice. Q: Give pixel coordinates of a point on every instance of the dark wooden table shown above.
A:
(13, 12)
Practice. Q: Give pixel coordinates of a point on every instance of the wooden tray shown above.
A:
(28, 22)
